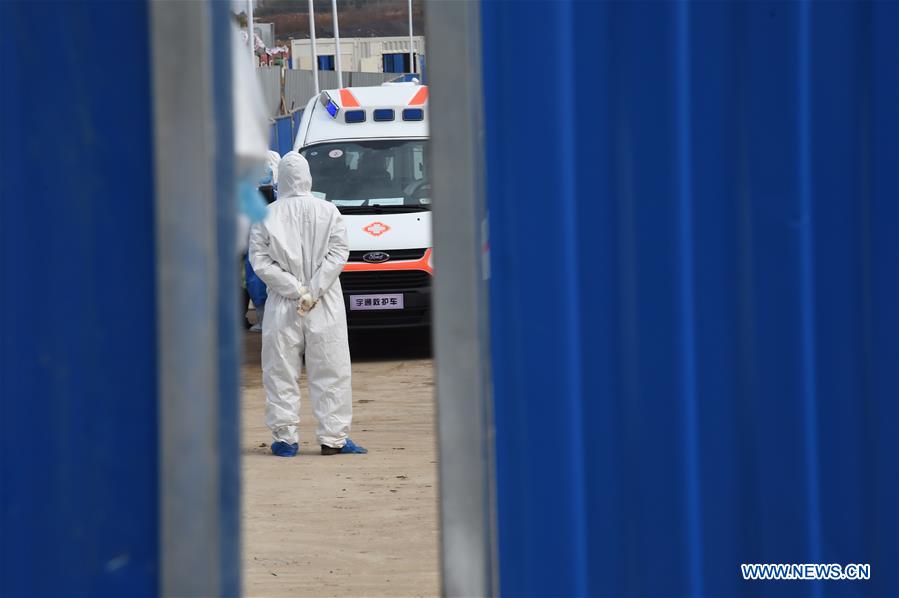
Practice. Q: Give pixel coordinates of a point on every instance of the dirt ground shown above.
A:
(347, 525)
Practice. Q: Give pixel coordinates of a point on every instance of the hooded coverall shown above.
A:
(301, 247)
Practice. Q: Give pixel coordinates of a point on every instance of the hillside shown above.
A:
(358, 18)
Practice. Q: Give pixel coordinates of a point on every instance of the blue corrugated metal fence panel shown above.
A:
(78, 429)
(694, 294)
(273, 136)
(297, 116)
(285, 134)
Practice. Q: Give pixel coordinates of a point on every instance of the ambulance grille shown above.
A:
(386, 280)
(395, 254)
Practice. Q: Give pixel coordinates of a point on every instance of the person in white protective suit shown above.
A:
(299, 251)
(271, 162)
(254, 287)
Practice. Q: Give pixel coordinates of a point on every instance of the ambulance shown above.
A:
(367, 148)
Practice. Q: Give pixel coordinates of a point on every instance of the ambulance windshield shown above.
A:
(371, 176)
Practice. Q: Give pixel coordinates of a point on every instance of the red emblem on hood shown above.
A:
(376, 229)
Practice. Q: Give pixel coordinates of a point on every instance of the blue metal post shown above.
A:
(229, 310)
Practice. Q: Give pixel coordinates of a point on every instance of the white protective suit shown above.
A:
(301, 247)
(272, 160)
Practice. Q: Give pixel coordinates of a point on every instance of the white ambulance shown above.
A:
(367, 148)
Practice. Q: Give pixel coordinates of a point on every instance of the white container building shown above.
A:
(359, 54)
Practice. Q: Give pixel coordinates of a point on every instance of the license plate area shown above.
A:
(376, 302)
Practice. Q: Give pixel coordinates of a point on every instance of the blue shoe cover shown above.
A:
(352, 448)
(282, 449)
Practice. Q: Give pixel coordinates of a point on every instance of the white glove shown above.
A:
(305, 304)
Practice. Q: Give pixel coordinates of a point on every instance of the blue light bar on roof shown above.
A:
(329, 104)
(384, 114)
(413, 114)
(354, 116)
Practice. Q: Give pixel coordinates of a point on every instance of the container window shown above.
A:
(326, 62)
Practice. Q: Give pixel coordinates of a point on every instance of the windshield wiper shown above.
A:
(380, 209)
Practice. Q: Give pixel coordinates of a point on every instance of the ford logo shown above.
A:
(376, 257)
